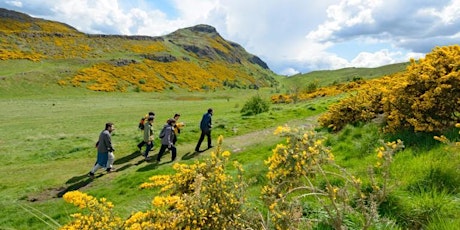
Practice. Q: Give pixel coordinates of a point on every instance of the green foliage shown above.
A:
(255, 105)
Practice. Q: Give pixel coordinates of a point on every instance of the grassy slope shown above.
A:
(329, 77)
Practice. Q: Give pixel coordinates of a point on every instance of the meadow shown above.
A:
(47, 143)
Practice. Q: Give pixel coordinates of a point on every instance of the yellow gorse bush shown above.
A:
(100, 214)
(198, 196)
(424, 98)
(303, 172)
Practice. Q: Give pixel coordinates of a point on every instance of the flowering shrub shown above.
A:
(363, 106)
(99, 216)
(428, 99)
(197, 196)
(422, 99)
(302, 173)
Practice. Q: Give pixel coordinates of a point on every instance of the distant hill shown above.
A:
(194, 58)
(331, 77)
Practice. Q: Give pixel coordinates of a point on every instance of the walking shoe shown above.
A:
(91, 175)
(109, 170)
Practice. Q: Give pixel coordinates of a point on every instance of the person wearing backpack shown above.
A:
(142, 126)
(167, 138)
(148, 136)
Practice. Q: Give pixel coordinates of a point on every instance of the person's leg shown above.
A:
(94, 169)
(173, 151)
(197, 148)
(110, 160)
(160, 153)
(148, 148)
(208, 134)
(142, 143)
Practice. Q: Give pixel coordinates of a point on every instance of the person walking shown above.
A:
(105, 157)
(167, 137)
(205, 126)
(148, 136)
(142, 128)
(177, 127)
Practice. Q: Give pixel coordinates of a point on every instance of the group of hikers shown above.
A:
(168, 138)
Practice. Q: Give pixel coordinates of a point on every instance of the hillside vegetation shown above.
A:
(195, 58)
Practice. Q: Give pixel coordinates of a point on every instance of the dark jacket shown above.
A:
(206, 122)
(104, 143)
(168, 137)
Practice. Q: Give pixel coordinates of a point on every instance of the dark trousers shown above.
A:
(206, 133)
(149, 147)
(142, 143)
(163, 149)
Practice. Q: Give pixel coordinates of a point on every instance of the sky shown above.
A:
(291, 36)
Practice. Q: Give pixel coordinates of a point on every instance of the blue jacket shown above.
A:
(206, 122)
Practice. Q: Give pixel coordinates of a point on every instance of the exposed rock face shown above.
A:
(204, 28)
(161, 57)
(256, 60)
(4, 13)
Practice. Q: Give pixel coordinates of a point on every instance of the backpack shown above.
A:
(141, 124)
(162, 133)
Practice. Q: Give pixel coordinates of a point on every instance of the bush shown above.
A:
(254, 106)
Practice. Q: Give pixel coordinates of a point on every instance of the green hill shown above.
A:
(333, 77)
(195, 58)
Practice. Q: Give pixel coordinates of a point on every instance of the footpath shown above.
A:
(236, 144)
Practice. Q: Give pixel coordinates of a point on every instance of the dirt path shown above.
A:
(235, 144)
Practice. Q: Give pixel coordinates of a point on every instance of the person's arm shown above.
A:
(108, 142)
(210, 121)
(147, 132)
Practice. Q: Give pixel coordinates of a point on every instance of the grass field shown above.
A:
(47, 137)
(47, 144)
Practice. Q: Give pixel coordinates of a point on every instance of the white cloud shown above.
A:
(14, 3)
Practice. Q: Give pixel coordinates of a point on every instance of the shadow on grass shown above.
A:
(152, 164)
(77, 185)
(127, 158)
(190, 155)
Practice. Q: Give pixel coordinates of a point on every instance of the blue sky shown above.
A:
(291, 36)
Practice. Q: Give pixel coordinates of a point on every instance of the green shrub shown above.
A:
(255, 105)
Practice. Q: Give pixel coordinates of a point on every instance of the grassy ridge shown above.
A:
(331, 77)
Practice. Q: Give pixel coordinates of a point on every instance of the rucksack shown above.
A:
(162, 133)
(141, 123)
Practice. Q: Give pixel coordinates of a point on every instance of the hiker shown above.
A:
(105, 151)
(167, 137)
(148, 136)
(205, 126)
(177, 127)
(142, 126)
